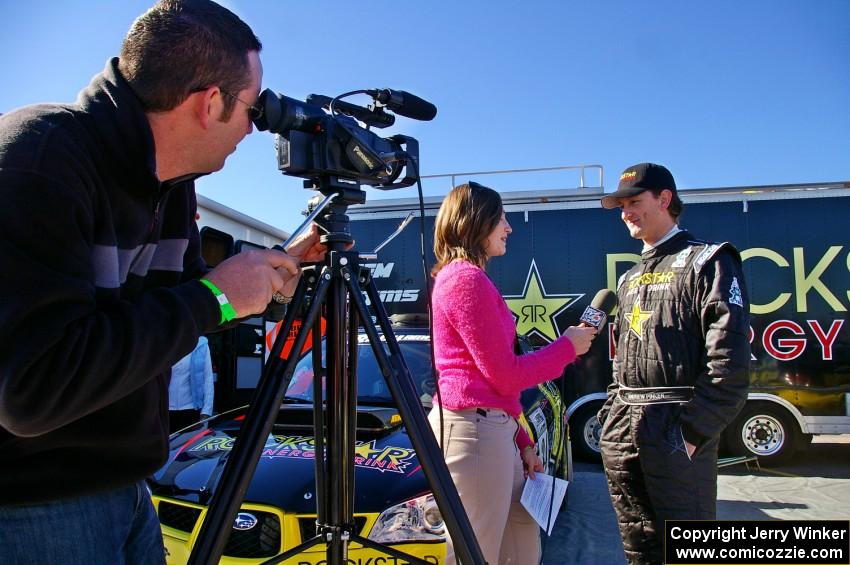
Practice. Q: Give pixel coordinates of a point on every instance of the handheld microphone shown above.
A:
(600, 307)
(404, 104)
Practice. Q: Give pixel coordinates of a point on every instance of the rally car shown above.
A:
(393, 503)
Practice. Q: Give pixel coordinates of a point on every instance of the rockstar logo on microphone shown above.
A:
(535, 310)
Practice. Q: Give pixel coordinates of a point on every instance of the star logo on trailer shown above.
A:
(535, 310)
(636, 319)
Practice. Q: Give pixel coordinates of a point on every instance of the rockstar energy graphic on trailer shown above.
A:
(535, 309)
(366, 454)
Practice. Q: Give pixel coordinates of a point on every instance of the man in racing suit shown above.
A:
(681, 371)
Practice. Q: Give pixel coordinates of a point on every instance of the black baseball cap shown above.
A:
(638, 178)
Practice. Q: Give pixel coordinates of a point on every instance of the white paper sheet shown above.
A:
(537, 499)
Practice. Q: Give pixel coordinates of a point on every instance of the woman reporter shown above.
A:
(481, 377)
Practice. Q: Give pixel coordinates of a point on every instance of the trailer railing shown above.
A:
(582, 170)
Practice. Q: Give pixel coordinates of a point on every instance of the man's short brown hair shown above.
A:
(183, 46)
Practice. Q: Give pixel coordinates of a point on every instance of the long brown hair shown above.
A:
(468, 215)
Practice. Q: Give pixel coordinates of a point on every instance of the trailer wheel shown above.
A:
(766, 431)
(584, 431)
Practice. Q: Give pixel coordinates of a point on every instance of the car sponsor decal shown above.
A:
(363, 338)
(550, 391)
(374, 558)
(245, 521)
(538, 420)
(367, 454)
(385, 458)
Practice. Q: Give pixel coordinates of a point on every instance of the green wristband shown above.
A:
(227, 311)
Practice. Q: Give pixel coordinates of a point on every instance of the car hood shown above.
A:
(387, 470)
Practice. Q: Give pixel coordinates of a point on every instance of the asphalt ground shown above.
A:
(814, 485)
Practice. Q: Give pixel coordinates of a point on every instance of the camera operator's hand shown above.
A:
(581, 337)
(288, 288)
(250, 278)
(307, 248)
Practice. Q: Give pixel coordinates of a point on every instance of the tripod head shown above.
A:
(336, 197)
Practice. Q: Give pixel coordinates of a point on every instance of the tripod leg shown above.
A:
(401, 387)
(350, 432)
(340, 454)
(319, 462)
(240, 466)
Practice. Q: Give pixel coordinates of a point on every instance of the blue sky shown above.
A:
(724, 93)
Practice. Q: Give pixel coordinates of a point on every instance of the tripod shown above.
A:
(337, 288)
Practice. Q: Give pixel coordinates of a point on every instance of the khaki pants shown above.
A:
(485, 466)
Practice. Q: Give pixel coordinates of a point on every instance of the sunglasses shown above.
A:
(254, 112)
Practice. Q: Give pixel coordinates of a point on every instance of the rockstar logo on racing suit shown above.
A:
(636, 319)
(535, 310)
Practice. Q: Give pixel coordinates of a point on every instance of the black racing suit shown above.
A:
(682, 327)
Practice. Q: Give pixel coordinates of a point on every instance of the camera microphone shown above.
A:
(378, 120)
(404, 104)
(601, 306)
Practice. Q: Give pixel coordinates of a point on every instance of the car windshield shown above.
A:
(371, 386)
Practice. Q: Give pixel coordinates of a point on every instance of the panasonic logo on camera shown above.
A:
(363, 157)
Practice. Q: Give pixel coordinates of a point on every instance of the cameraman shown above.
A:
(100, 280)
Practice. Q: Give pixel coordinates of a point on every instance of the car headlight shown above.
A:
(415, 520)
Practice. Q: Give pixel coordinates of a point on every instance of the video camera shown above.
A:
(322, 137)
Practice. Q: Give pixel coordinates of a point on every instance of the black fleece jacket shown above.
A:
(97, 294)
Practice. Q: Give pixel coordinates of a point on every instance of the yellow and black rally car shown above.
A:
(393, 503)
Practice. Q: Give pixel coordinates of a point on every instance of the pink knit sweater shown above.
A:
(474, 335)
